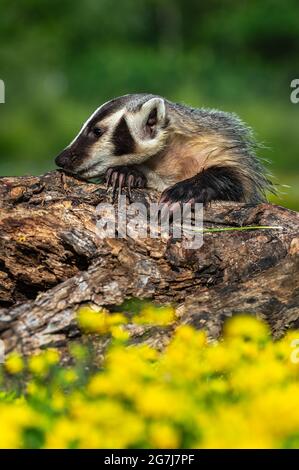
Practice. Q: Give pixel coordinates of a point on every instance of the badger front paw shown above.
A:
(214, 184)
(186, 192)
(119, 177)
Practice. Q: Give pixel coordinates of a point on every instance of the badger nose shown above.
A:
(63, 159)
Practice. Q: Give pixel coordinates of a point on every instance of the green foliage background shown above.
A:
(60, 59)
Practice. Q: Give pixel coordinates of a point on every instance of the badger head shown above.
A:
(124, 131)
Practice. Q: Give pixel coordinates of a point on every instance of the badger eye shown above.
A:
(97, 131)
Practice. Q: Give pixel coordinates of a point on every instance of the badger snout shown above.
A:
(66, 160)
(62, 160)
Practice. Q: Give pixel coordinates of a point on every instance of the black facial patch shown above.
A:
(107, 110)
(122, 139)
(215, 183)
(72, 157)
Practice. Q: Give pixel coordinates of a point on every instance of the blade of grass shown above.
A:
(237, 229)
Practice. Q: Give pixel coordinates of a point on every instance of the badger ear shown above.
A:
(153, 113)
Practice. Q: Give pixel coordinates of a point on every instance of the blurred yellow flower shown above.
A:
(38, 365)
(98, 321)
(119, 333)
(238, 392)
(247, 327)
(70, 375)
(163, 436)
(58, 401)
(52, 356)
(15, 418)
(14, 363)
(78, 351)
(32, 388)
(157, 401)
(152, 315)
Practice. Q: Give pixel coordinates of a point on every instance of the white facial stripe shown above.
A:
(87, 122)
(113, 119)
(96, 170)
(134, 124)
(104, 148)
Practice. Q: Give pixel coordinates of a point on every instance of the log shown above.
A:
(52, 262)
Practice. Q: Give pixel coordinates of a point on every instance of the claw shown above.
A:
(164, 213)
(139, 182)
(121, 176)
(108, 177)
(163, 199)
(121, 181)
(130, 186)
(175, 207)
(114, 185)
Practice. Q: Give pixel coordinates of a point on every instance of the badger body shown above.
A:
(188, 154)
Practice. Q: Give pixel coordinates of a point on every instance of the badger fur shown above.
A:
(188, 154)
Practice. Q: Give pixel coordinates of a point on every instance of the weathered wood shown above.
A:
(52, 262)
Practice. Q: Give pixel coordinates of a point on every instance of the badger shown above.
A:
(188, 154)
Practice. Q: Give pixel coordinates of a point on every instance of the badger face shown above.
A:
(126, 130)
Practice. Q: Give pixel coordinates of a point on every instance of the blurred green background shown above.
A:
(60, 59)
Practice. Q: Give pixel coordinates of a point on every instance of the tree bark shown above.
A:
(52, 262)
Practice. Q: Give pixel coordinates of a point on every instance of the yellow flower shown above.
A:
(115, 319)
(58, 401)
(277, 410)
(119, 333)
(38, 365)
(117, 426)
(151, 315)
(163, 436)
(14, 363)
(186, 336)
(114, 384)
(32, 388)
(240, 392)
(98, 320)
(247, 327)
(232, 428)
(65, 434)
(92, 321)
(15, 418)
(257, 377)
(52, 356)
(70, 376)
(157, 401)
(289, 348)
(219, 359)
(78, 351)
